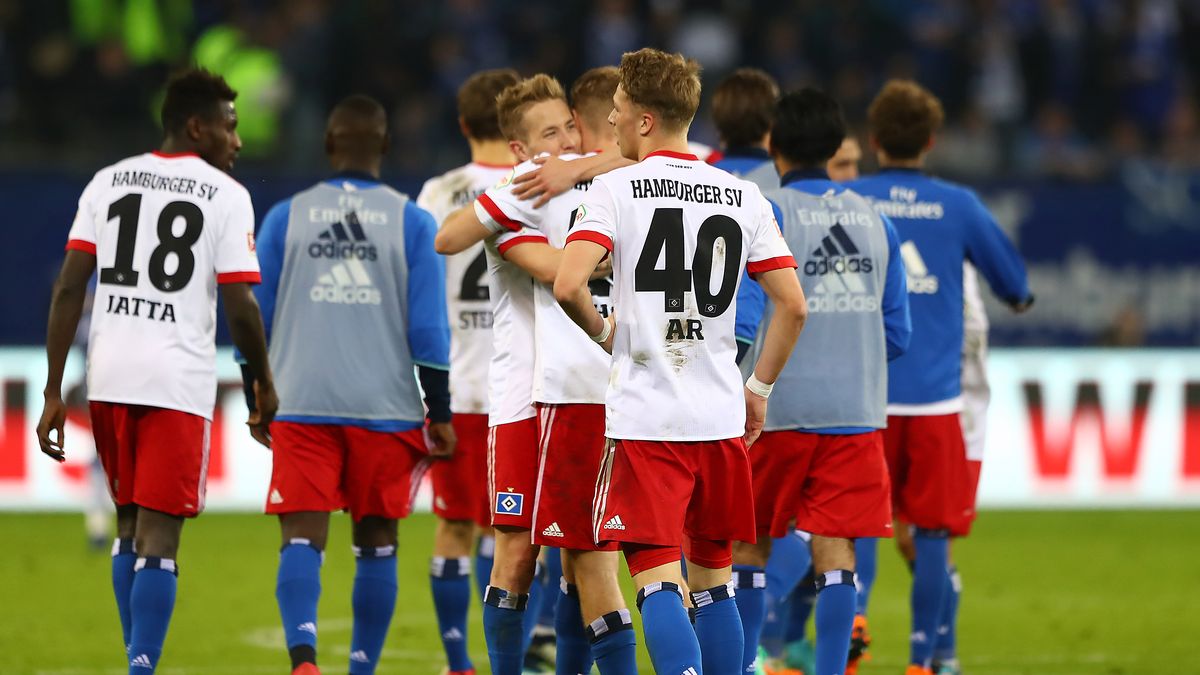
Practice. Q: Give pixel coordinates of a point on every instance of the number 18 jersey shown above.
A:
(681, 233)
(165, 230)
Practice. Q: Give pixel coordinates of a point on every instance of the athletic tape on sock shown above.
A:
(498, 597)
(156, 564)
(374, 551)
(609, 623)
(569, 590)
(449, 568)
(487, 546)
(714, 594)
(749, 579)
(833, 577)
(123, 547)
(651, 589)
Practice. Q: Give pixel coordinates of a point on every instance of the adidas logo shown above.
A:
(552, 531)
(339, 244)
(439, 502)
(838, 262)
(919, 279)
(359, 656)
(453, 634)
(308, 627)
(347, 283)
(615, 523)
(141, 661)
(275, 497)
(689, 671)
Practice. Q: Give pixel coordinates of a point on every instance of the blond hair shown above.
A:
(512, 103)
(665, 84)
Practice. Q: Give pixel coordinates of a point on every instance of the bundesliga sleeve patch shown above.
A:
(510, 503)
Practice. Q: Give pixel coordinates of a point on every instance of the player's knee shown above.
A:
(453, 538)
(832, 553)
(373, 531)
(752, 554)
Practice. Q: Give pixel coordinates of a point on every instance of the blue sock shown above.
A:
(866, 561)
(929, 585)
(789, 563)
(374, 602)
(613, 644)
(151, 601)
(450, 580)
(503, 614)
(719, 630)
(533, 607)
(670, 639)
(802, 601)
(751, 585)
(485, 552)
(553, 577)
(835, 619)
(123, 560)
(297, 590)
(944, 647)
(574, 651)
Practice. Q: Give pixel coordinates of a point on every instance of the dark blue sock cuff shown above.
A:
(651, 589)
(374, 551)
(710, 595)
(939, 533)
(123, 547)
(569, 590)
(609, 623)
(749, 577)
(165, 564)
(833, 578)
(301, 541)
(449, 568)
(502, 599)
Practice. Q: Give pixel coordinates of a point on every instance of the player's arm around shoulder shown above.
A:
(495, 211)
(589, 244)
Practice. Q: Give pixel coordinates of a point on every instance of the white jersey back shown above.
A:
(467, 290)
(165, 230)
(510, 373)
(681, 233)
(975, 320)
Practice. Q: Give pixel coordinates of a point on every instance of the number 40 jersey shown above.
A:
(681, 233)
(165, 230)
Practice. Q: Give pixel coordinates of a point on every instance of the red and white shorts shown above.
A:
(156, 458)
(932, 487)
(460, 489)
(331, 467)
(571, 446)
(827, 484)
(512, 473)
(674, 493)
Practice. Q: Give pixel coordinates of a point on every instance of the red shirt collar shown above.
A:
(673, 155)
(173, 155)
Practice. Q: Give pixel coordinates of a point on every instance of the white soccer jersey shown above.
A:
(165, 230)
(467, 292)
(975, 318)
(681, 233)
(568, 366)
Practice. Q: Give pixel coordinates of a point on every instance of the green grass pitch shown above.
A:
(1045, 592)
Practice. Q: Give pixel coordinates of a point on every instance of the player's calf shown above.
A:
(450, 583)
(833, 567)
(507, 599)
(750, 581)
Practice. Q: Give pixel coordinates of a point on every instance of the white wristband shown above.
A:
(602, 336)
(760, 388)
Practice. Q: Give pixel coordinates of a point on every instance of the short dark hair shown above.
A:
(592, 93)
(743, 107)
(191, 93)
(477, 102)
(903, 117)
(809, 127)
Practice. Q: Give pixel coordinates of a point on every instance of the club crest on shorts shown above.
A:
(510, 503)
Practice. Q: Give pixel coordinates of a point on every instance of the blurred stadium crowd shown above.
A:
(1074, 89)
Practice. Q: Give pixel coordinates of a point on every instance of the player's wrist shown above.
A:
(758, 387)
(605, 332)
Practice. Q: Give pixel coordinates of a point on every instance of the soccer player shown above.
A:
(168, 228)
(677, 473)
(743, 108)
(843, 166)
(460, 498)
(819, 463)
(355, 296)
(941, 225)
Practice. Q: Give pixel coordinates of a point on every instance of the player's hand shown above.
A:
(756, 416)
(608, 344)
(266, 404)
(444, 440)
(554, 177)
(54, 417)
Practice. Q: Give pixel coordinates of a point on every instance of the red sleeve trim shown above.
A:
(523, 239)
(760, 266)
(498, 215)
(239, 278)
(592, 236)
(81, 245)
